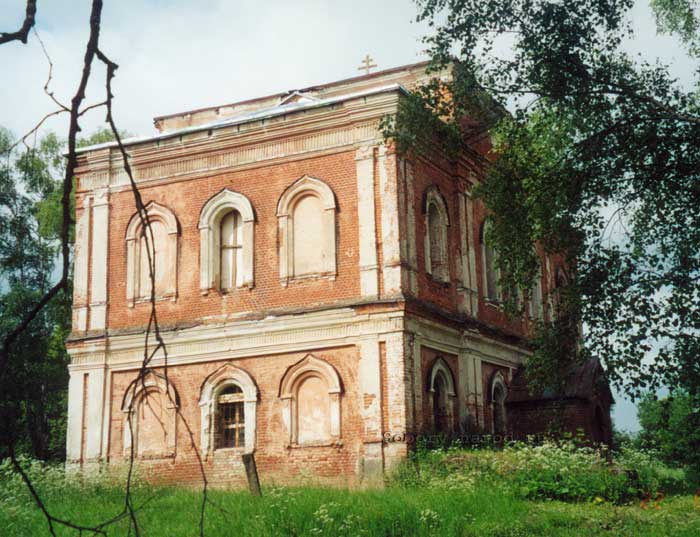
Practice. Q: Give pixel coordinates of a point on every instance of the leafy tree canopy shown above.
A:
(669, 428)
(596, 160)
(33, 404)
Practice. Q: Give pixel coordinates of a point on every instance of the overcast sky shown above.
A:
(177, 55)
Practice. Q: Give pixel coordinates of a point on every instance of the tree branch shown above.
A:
(23, 32)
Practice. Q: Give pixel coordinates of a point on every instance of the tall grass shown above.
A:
(436, 493)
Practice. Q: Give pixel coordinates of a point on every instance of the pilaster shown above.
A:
(367, 229)
(99, 259)
(406, 170)
(397, 401)
(74, 432)
(390, 225)
(81, 262)
(470, 275)
(369, 376)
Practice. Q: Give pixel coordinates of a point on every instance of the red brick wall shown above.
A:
(438, 293)
(263, 186)
(542, 418)
(275, 461)
(444, 295)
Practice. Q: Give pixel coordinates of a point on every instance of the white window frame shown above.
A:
(227, 375)
(210, 240)
(483, 233)
(441, 368)
(536, 303)
(134, 251)
(133, 398)
(306, 186)
(288, 393)
(435, 199)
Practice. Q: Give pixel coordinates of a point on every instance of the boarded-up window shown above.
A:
(230, 418)
(231, 250)
(536, 305)
(499, 409)
(159, 254)
(153, 246)
(313, 411)
(491, 275)
(440, 402)
(309, 252)
(438, 248)
(153, 424)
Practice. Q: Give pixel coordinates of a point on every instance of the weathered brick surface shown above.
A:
(277, 462)
(263, 186)
(396, 388)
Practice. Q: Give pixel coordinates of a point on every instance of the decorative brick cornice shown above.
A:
(336, 126)
(243, 338)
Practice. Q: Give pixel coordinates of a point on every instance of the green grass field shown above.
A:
(546, 490)
(395, 511)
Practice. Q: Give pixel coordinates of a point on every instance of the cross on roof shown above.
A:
(367, 64)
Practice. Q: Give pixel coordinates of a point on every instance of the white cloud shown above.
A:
(176, 56)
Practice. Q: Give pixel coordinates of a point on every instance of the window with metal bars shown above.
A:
(230, 418)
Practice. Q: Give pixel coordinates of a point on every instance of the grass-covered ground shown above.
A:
(452, 492)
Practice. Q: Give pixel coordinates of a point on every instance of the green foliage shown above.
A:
(484, 508)
(680, 17)
(565, 471)
(671, 427)
(33, 386)
(596, 163)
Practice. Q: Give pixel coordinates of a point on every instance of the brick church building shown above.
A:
(317, 293)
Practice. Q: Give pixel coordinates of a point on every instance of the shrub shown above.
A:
(562, 470)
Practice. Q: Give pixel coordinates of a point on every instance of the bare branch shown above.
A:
(153, 319)
(36, 127)
(92, 107)
(50, 76)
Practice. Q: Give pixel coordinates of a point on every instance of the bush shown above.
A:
(552, 470)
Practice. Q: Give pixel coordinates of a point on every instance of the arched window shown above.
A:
(441, 396)
(150, 404)
(536, 304)
(226, 227)
(492, 286)
(560, 283)
(436, 237)
(310, 390)
(231, 251)
(228, 403)
(160, 236)
(306, 225)
(499, 393)
(230, 418)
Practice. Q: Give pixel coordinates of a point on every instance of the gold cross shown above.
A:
(367, 64)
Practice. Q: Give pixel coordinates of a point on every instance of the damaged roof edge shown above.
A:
(314, 87)
(253, 116)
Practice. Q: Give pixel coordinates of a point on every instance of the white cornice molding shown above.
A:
(445, 339)
(272, 335)
(252, 117)
(348, 124)
(285, 334)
